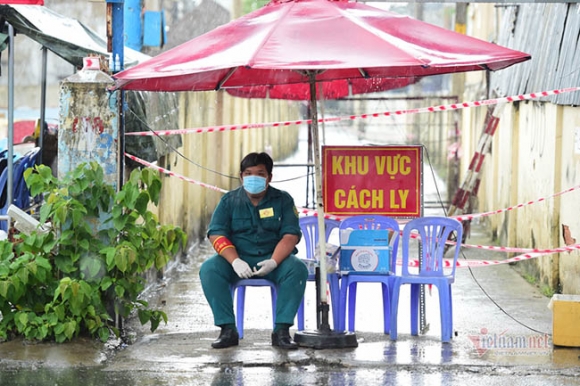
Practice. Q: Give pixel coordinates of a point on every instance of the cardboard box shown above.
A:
(365, 251)
(565, 320)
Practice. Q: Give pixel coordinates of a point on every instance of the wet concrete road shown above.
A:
(497, 342)
(503, 338)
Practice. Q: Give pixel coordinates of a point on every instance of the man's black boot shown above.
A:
(282, 339)
(228, 337)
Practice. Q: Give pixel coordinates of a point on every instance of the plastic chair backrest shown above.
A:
(375, 222)
(310, 234)
(433, 233)
(21, 192)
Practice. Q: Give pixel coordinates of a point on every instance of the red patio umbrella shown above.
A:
(292, 41)
(310, 41)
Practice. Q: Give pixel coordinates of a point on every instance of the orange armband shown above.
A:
(222, 243)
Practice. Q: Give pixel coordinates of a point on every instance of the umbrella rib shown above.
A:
(225, 78)
(363, 73)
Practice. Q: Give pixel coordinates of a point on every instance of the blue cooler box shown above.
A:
(365, 251)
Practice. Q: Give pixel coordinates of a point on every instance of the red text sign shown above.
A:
(383, 180)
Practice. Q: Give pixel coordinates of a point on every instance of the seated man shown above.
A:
(254, 230)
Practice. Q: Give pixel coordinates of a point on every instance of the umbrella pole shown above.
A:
(323, 337)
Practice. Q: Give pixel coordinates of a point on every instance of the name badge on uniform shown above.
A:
(268, 212)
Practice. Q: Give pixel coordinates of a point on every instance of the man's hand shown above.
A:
(242, 268)
(266, 267)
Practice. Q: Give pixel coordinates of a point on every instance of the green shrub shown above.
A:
(90, 265)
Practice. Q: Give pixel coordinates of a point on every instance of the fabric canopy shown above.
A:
(29, 2)
(66, 37)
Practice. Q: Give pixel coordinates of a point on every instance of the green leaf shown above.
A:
(4, 286)
(60, 214)
(119, 222)
(120, 291)
(69, 329)
(144, 316)
(155, 191)
(104, 334)
(94, 267)
(23, 275)
(84, 244)
(22, 318)
(142, 202)
(59, 328)
(106, 283)
(121, 260)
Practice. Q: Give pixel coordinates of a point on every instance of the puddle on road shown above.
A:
(267, 376)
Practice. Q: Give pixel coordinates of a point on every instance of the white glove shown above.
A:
(267, 266)
(242, 268)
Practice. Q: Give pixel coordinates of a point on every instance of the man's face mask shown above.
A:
(254, 184)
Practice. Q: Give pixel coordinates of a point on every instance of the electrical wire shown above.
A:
(178, 152)
(471, 270)
(200, 166)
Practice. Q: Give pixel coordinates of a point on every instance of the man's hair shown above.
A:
(255, 159)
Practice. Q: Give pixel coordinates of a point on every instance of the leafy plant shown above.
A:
(90, 265)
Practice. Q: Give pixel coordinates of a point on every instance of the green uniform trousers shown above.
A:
(217, 274)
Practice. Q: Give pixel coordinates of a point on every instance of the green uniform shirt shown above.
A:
(255, 230)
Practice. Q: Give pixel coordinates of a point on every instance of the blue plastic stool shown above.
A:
(240, 288)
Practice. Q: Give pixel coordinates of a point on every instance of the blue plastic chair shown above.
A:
(310, 234)
(20, 192)
(239, 289)
(433, 232)
(348, 284)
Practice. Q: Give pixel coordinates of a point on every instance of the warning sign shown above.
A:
(372, 179)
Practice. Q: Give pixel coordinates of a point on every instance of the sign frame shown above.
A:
(354, 180)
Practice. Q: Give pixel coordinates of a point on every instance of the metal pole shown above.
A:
(116, 34)
(10, 166)
(323, 337)
(323, 306)
(10, 139)
(116, 45)
(42, 103)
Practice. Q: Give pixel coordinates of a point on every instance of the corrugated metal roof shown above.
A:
(550, 32)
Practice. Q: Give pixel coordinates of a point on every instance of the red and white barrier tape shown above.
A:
(431, 109)
(530, 252)
(476, 215)
(148, 164)
(487, 263)
(310, 212)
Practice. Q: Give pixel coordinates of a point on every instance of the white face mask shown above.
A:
(254, 184)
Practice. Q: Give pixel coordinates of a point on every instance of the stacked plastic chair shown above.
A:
(433, 233)
(310, 234)
(20, 192)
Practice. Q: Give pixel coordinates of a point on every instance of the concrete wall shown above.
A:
(533, 156)
(569, 204)
(214, 158)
